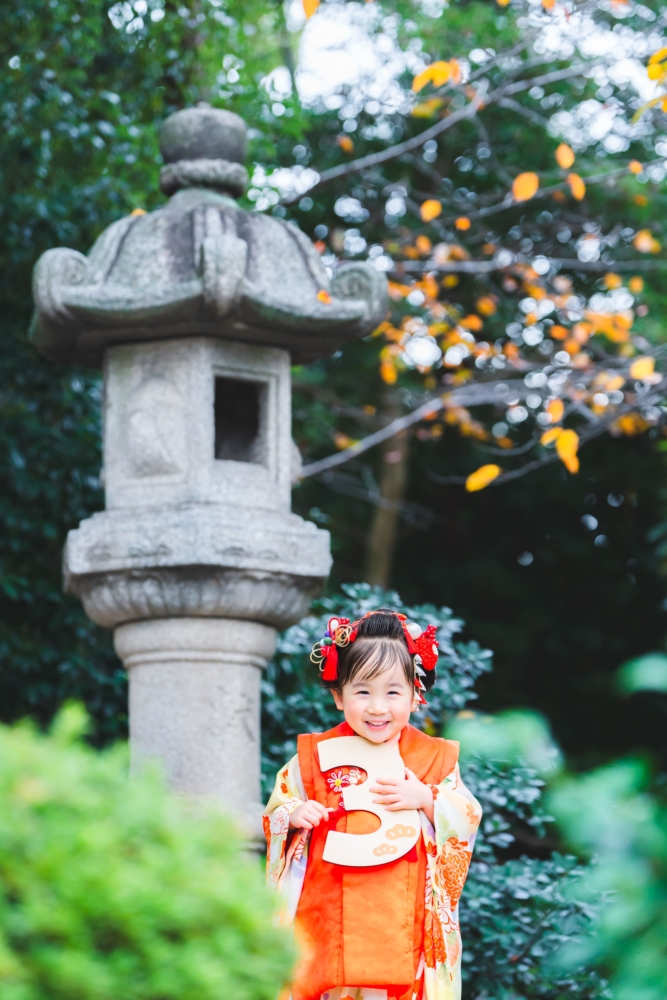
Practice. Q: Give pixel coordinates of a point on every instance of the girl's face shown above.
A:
(377, 709)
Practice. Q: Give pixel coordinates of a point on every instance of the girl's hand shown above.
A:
(308, 815)
(410, 793)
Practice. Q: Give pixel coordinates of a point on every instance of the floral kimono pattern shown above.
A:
(448, 842)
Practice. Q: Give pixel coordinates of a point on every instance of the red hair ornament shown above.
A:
(422, 646)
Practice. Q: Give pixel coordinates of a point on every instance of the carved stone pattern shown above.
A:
(277, 599)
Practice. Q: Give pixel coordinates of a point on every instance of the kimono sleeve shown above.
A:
(286, 854)
(449, 844)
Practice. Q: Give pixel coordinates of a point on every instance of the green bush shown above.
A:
(618, 814)
(110, 890)
(524, 900)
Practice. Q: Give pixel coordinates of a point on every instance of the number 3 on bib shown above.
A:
(398, 832)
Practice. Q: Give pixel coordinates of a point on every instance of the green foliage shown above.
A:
(110, 889)
(617, 814)
(83, 88)
(518, 735)
(517, 911)
(646, 673)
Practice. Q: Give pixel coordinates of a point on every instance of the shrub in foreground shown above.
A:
(110, 890)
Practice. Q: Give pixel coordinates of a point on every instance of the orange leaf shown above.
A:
(471, 322)
(462, 223)
(309, 7)
(555, 409)
(636, 285)
(525, 186)
(645, 243)
(564, 156)
(423, 244)
(559, 332)
(642, 368)
(577, 186)
(567, 445)
(482, 477)
(388, 372)
(548, 4)
(345, 143)
(323, 296)
(611, 280)
(635, 167)
(430, 210)
(138, 211)
(342, 440)
(486, 305)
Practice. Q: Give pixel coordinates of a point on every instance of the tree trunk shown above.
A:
(393, 484)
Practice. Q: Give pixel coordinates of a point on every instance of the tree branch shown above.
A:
(373, 159)
(489, 266)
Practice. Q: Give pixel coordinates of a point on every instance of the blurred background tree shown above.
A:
(555, 570)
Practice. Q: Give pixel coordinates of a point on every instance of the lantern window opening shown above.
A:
(239, 417)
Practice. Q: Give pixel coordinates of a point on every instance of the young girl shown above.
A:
(373, 922)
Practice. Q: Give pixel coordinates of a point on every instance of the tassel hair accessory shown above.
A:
(422, 646)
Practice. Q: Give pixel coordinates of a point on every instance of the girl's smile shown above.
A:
(379, 707)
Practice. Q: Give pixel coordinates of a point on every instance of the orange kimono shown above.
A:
(384, 932)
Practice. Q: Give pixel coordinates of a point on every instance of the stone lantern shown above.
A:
(194, 311)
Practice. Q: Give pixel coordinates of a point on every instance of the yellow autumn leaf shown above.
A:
(567, 445)
(577, 186)
(430, 210)
(503, 3)
(551, 435)
(441, 72)
(345, 143)
(438, 73)
(642, 368)
(564, 156)
(388, 373)
(658, 56)
(644, 242)
(555, 409)
(525, 186)
(548, 4)
(657, 66)
(635, 167)
(462, 223)
(323, 296)
(612, 280)
(481, 478)
(636, 284)
(427, 108)
(138, 211)
(309, 7)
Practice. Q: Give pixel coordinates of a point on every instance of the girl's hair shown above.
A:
(379, 645)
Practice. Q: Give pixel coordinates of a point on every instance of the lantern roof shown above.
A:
(201, 266)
